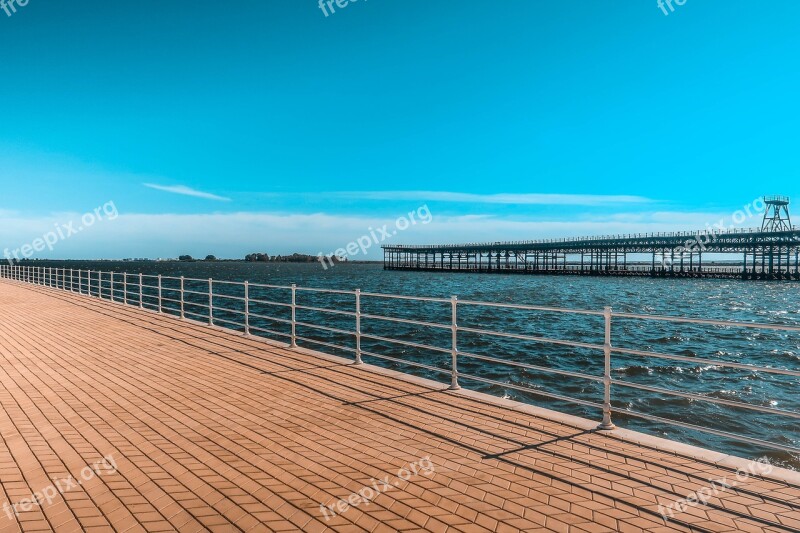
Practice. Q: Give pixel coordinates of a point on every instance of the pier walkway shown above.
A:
(210, 430)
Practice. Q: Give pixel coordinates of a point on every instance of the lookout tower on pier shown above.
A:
(776, 215)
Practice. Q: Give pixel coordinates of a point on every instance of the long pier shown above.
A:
(756, 254)
(158, 422)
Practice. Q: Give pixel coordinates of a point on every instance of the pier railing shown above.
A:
(198, 300)
(712, 232)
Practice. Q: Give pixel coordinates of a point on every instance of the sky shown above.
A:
(279, 127)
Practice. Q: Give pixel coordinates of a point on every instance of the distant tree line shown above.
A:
(266, 258)
(294, 258)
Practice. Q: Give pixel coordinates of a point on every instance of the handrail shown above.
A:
(130, 289)
(593, 239)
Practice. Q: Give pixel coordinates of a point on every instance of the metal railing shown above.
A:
(611, 239)
(198, 300)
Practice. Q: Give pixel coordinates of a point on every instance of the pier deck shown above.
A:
(210, 430)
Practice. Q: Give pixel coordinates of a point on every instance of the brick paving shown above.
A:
(210, 430)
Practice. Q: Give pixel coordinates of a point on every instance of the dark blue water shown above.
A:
(772, 302)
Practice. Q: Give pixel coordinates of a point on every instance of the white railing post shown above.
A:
(454, 351)
(111, 284)
(358, 328)
(124, 288)
(88, 281)
(141, 291)
(183, 311)
(607, 424)
(210, 302)
(294, 315)
(247, 308)
(160, 306)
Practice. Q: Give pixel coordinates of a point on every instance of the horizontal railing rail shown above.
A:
(200, 300)
(794, 231)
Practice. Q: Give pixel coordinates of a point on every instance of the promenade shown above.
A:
(159, 424)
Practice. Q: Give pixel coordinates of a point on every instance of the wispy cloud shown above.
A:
(471, 198)
(187, 191)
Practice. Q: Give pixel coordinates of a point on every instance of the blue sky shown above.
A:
(262, 125)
